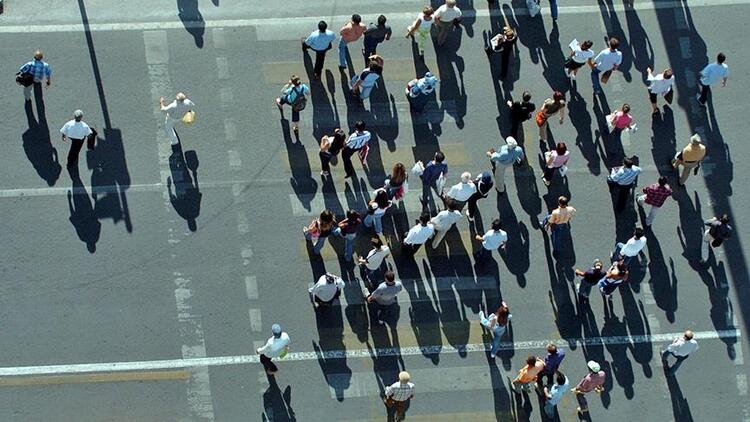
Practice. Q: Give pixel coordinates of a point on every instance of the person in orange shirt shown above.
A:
(526, 378)
(350, 32)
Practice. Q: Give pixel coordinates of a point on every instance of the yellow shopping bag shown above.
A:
(189, 117)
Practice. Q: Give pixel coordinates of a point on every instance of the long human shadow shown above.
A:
(680, 405)
(303, 184)
(325, 115)
(82, 216)
(192, 19)
(622, 368)
(721, 311)
(553, 60)
(580, 118)
(664, 143)
(637, 324)
(110, 178)
(384, 114)
(277, 405)
(36, 141)
(641, 50)
(500, 394)
(451, 69)
(614, 29)
(186, 198)
(424, 318)
(663, 284)
(516, 258)
(330, 325)
(717, 168)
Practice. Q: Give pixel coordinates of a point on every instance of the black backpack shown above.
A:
(300, 101)
(25, 79)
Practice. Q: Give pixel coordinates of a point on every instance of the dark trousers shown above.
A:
(704, 90)
(346, 157)
(75, 148)
(268, 364)
(370, 46)
(672, 369)
(623, 194)
(505, 61)
(473, 203)
(409, 249)
(549, 172)
(320, 59)
(514, 125)
(325, 160)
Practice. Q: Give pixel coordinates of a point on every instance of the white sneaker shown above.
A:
(481, 315)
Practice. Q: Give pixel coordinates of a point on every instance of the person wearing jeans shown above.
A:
(558, 222)
(710, 75)
(496, 322)
(605, 63)
(375, 210)
(347, 229)
(349, 33)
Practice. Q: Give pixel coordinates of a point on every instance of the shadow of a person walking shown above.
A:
(192, 19)
(82, 216)
(187, 196)
(277, 406)
(37, 144)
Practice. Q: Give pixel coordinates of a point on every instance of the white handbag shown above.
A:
(418, 168)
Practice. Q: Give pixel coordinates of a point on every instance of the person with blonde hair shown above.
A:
(174, 113)
(399, 393)
(420, 29)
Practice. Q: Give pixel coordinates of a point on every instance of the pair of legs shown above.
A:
(295, 114)
(268, 365)
(497, 333)
(651, 211)
(320, 59)
(445, 29)
(672, 369)
(348, 244)
(526, 387)
(370, 47)
(548, 174)
(623, 194)
(169, 123)
(75, 149)
(687, 166)
(346, 157)
(319, 242)
(374, 221)
(652, 98)
(409, 249)
(703, 92)
(499, 171)
(557, 232)
(473, 204)
(439, 236)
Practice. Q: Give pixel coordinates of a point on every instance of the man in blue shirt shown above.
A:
(431, 174)
(554, 394)
(40, 70)
(552, 363)
(320, 41)
(623, 179)
(509, 153)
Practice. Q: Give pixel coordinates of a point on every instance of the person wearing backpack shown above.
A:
(294, 93)
(363, 83)
(717, 232)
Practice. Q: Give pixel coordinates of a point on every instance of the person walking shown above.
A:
(557, 159)
(593, 381)
(484, 184)
(375, 210)
(558, 222)
(175, 112)
(398, 394)
(396, 182)
(630, 249)
(461, 192)
(363, 83)
(552, 361)
(504, 158)
(550, 107)
(527, 376)
(554, 394)
(39, 70)
(443, 222)
(497, 322)
(418, 91)
(77, 130)
(503, 43)
(606, 62)
(520, 111)
(654, 196)
(326, 290)
(680, 349)
(580, 54)
(660, 84)
(276, 347)
(319, 229)
(617, 274)
(374, 35)
(433, 171)
(384, 297)
(419, 31)
(330, 146)
(352, 31)
(417, 236)
(623, 179)
(320, 42)
(493, 239)
(447, 17)
(357, 141)
(621, 119)
(711, 75)
(589, 278)
(294, 93)
(347, 228)
(689, 158)
(717, 232)
(372, 265)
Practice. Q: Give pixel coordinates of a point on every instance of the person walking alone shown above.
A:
(447, 17)
(520, 111)
(319, 41)
(77, 130)
(374, 35)
(294, 93)
(558, 221)
(175, 112)
(39, 70)
(349, 33)
(593, 381)
(399, 393)
(276, 347)
(717, 232)
(501, 160)
(689, 158)
(712, 74)
(654, 195)
(680, 349)
(606, 62)
(497, 322)
(660, 84)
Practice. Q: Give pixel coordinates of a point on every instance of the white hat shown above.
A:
(465, 177)
(78, 113)
(511, 141)
(696, 139)
(593, 366)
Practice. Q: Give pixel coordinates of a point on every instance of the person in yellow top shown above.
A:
(526, 378)
(557, 222)
(690, 158)
(350, 32)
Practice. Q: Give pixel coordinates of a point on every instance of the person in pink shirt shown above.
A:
(593, 381)
(555, 160)
(350, 32)
(620, 119)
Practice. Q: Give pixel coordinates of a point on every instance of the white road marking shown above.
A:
(222, 68)
(243, 225)
(251, 287)
(340, 354)
(256, 324)
(219, 39)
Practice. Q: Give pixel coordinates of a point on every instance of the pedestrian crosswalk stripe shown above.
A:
(396, 70)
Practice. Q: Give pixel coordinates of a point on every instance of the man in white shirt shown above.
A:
(680, 348)
(174, 112)
(326, 290)
(446, 16)
(492, 240)
(660, 84)
(371, 265)
(398, 393)
(629, 250)
(417, 235)
(710, 75)
(277, 346)
(605, 63)
(461, 192)
(384, 297)
(77, 130)
(443, 222)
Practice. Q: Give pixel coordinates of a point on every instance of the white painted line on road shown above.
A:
(222, 68)
(742, 384)
(251, 287)
(220, 42)
(340, 354)
(256, 324)
(311, 21)
(243, 225)
(230, 129)
(234, 159)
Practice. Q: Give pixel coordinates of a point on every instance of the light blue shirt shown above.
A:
(319, 41)
(625, 176)
(507, 155)
(714, 73)
(557, 392)
(494, 239)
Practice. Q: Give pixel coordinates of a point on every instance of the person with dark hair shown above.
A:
(557, 159)
(526, 378)
(654, 195)
(589, 279)
(319, 229)
(558, 222)
(580, 54)
(326, 290)
(319, 41)
(374, 35)
(554, 394)
(493, 239)
(372, 264)
(617, 274)
(550, 107)
(711, 75)
(484, 184)
(660, 84)
(501, 160)
(347, 228)
(630, 249)
(520, 111)
(497, 322)
(717, 232)
(443, 222)
(623, 179)
(433, 171)
(294, 94)
(503, 43)
(330, 146)
(417, 236)
(349, 33)
(607, 61)
(384, 297)
(375, 210)
(552, 362)
(396, 181)
(357, 141)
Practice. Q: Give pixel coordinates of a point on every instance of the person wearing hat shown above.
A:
(503, 158)
(77, 130)
(175, 111)
(690, 158)
(398, 393)
(461, 192)
(593, 381)
(277, 346)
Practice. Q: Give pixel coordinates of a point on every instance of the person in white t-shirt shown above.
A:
(326, 290)
(372, 264)
(680, 348)
(580, 54)
(660, 84)
(277, 346)
(446, 16)
(174, 112)
(77, 130)
(710, 75)
(607, 61)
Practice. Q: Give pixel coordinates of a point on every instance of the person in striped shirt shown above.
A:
(357, 140)
(399, 393)
(40, 70)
